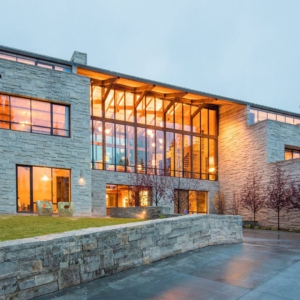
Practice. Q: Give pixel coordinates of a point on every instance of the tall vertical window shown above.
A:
(34, 116)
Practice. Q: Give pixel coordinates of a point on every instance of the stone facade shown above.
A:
(259, 146)
(43, 150)
(101, 178)
(45, 264)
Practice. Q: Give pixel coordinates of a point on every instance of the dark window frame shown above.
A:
(10, 122)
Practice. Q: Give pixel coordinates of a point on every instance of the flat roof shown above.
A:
(136, 82)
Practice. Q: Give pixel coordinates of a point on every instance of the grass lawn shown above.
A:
(18, 227)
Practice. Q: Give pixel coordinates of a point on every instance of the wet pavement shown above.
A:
(265, 266)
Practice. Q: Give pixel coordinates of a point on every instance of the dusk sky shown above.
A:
(243, 49)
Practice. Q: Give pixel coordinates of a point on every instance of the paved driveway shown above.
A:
(265, 266)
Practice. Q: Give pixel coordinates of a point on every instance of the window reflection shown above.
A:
(130, 149)
(97, 150)
(141, 149)
(110, 146)
(4, 112)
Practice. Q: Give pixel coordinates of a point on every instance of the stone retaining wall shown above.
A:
(37, 266)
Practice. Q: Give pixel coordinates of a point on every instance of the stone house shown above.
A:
(74, 132)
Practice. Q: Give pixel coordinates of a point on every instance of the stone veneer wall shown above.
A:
(259, 146)
(45, 264)
(43, 150)
(101, 178)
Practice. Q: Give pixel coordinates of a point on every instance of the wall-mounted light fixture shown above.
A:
(81, 178)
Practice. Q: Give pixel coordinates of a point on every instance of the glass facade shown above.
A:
(145, 133)
(24, 114)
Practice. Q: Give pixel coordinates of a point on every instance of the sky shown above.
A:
(242, 49)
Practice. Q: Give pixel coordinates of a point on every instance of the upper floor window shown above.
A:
(35, 62)
(257, 115)
(291, 153)
(34, 116)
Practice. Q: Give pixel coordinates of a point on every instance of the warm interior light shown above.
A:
(100, 128)
(161, 140)
(153, 144)
(211, 170)
(149, 131)
(107, 131)
(45, 177)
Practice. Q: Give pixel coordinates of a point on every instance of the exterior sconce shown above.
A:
(81, 179)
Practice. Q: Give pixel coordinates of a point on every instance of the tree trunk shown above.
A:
(278, 219)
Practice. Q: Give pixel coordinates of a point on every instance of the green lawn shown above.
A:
(18, 227)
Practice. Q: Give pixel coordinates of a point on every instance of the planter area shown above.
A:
(140, 212)
(37, 266)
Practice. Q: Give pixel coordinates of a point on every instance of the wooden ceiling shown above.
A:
(159, 90)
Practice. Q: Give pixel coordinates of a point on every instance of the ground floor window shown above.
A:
(41, 183)
(190, 202)
(118, 195)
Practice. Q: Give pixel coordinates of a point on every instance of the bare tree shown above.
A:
(160, 186)
(279, 192)
(141, 183)
(219, 202)
(236, 201)
(252, 197)
(181, 187)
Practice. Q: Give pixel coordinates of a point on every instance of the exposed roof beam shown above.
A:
(104, 82)
(170, 104)
(107, 92)
(143, 94)
(197, 110)
(175, 95)
(147, 87)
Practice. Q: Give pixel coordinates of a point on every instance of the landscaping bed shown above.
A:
(17, 227)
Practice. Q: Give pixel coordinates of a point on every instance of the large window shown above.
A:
(118, 195)
(24, 114)
(190, 202)
(42, 183)
(145, 133)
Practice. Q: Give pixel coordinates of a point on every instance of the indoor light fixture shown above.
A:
(45, 177)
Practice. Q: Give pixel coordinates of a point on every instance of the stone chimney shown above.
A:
(79, 58)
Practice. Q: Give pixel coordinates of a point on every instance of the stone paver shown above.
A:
(262, 267)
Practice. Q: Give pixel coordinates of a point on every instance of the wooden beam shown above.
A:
(143, 94)
(197, 110)
(170, 104)
(110, 80)
(175, 95)
(147, 87)
(200, 101)
(97, 82)
(107, 92)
